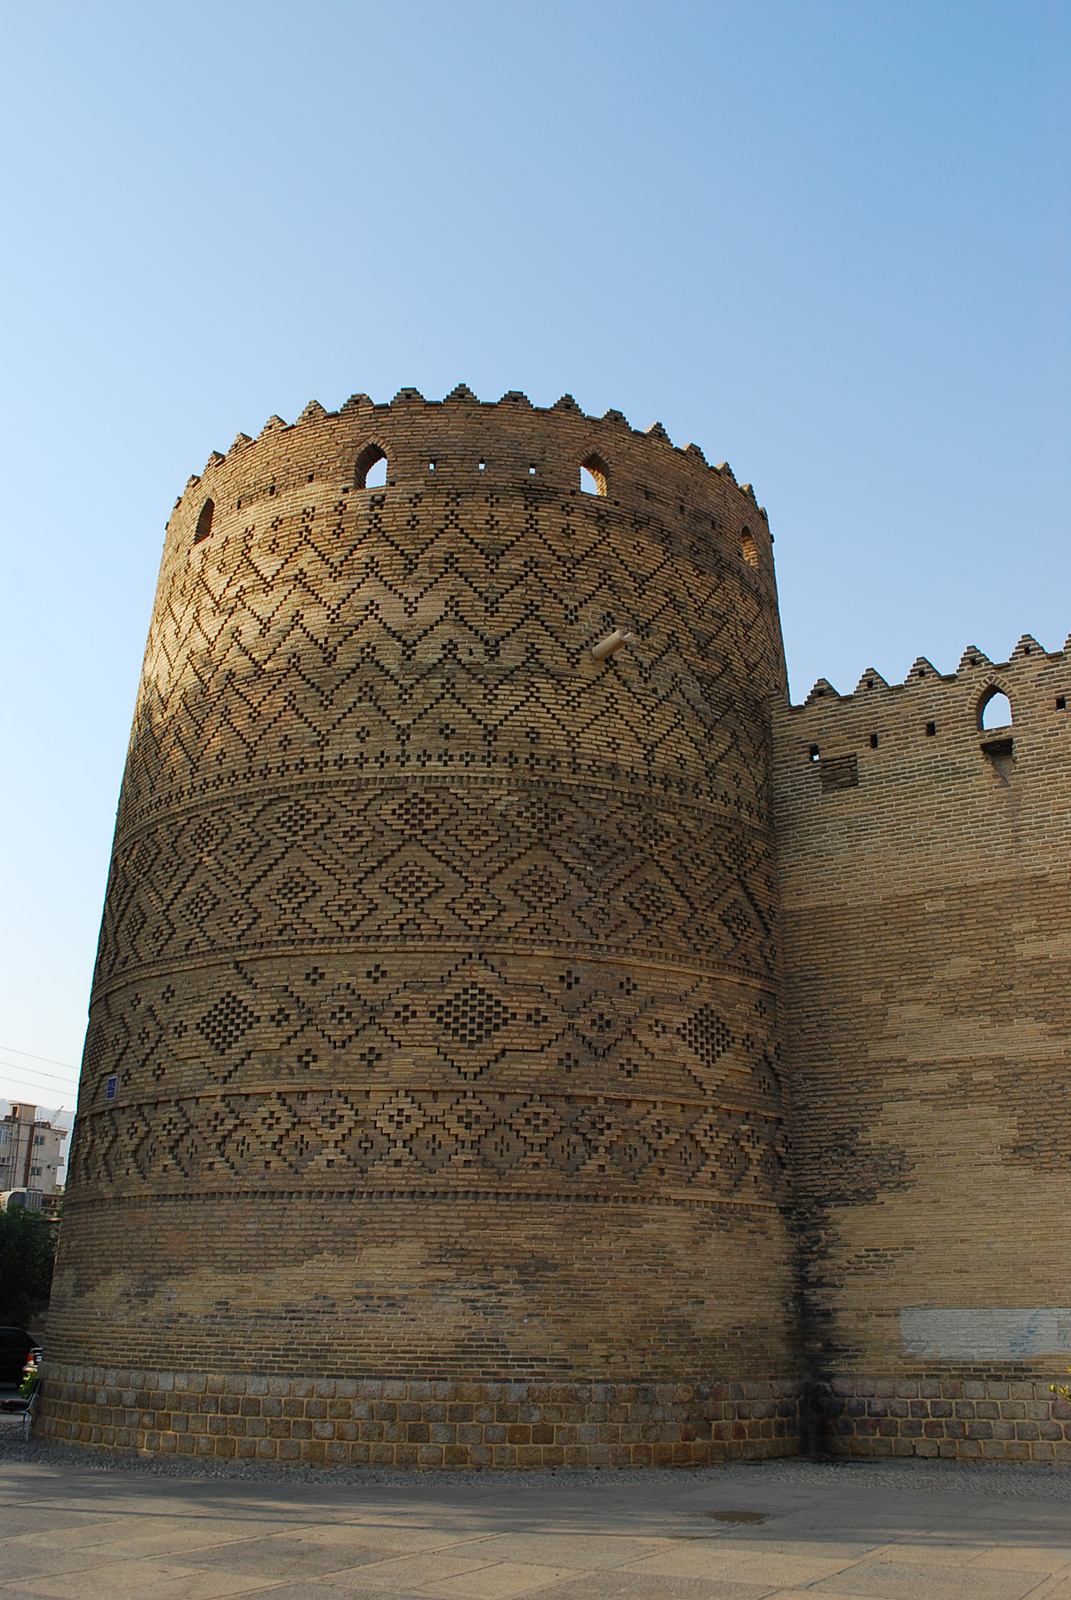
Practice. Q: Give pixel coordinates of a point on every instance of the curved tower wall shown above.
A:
(431, 1105)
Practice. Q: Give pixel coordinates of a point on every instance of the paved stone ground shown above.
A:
(121, 1529)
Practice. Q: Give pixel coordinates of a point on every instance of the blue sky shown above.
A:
(827, 241)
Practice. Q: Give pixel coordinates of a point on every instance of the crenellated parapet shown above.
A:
(511, 423)
(461, 442)
(836, 741)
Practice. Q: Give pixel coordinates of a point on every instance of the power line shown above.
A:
(37, 1072)
(10, 1048)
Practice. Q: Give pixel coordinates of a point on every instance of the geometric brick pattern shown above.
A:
(353, 867)
(554, 1077)
(449, 637)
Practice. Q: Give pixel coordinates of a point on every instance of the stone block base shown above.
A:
(982, 1419)
(406, 1423)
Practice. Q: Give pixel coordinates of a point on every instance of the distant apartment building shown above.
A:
(31, 1150)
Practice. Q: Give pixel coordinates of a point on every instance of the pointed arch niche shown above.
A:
(204, 521)
(594, 478)
(370, 468)
(994, 710)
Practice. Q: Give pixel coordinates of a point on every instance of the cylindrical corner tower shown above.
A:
(431, 1102)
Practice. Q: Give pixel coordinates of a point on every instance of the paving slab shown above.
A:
(80, 1526)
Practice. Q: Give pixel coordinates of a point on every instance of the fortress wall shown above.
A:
(925, 887)
(433, 1070)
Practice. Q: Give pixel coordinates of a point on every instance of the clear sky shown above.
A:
(827, 241)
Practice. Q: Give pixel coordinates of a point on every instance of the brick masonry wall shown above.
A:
(436, 1023)
(924, 868)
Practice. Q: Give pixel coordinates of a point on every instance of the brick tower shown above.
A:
(431, 1103)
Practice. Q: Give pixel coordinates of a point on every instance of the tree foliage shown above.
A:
(27, 1255)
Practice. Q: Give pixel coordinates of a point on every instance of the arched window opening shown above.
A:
(593, 475)
(749, 549)
(370, 471)
(995, 712)
(204, 522)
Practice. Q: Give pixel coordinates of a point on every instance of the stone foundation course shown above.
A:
(967, 1420)
(383, 1422)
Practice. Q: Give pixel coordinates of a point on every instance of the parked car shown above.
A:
(15, 1347)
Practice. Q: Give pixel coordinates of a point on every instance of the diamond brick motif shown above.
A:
(708, 1035)
(228, 1021)
(472, 1016)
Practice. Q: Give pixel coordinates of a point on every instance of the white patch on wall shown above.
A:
(954, 1334)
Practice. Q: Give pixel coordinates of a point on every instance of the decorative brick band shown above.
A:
(988, 1418)
(404, 1423)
